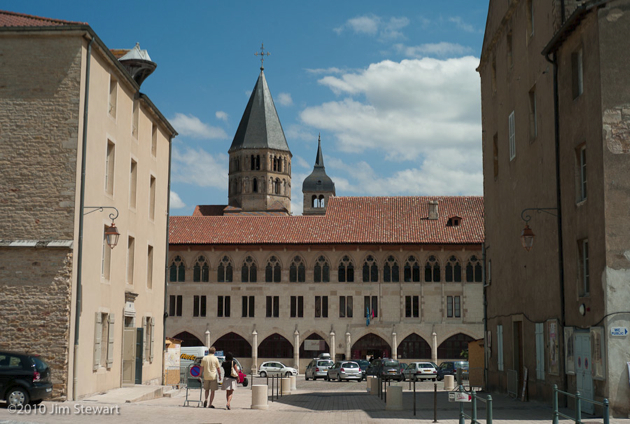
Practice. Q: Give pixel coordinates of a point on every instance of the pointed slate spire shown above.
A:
(260, 126)
(319, 160)
(318, 181)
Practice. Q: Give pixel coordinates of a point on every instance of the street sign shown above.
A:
(459, 397)
(619, 331)
(195, 371)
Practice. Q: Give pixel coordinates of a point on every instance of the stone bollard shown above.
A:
(259, 396)
(293, 383)
(368, 380)
(286, 386)
(449, 382)
(374, 387)
(394, 398)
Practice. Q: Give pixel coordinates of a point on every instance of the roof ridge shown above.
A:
(41, 18)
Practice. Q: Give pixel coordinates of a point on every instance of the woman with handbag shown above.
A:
(230, 370)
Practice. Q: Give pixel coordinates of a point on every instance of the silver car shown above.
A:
(420, 371)
(317, 368)
(274, 368)
(345, 370)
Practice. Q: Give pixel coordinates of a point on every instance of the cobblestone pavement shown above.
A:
(314, 401)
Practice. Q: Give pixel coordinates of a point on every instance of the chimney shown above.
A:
(433, 209)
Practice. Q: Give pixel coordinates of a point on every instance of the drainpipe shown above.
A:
(77, 313)
(485, 315)
(168, 214)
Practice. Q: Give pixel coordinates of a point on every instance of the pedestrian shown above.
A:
(211, 375)
(230, 372)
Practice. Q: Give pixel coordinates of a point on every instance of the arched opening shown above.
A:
(257, 162)
(414, 347)
(321, 201)
(188, 339)
(255, 185)
(370, 345)
(454, 346)
(315, 340)
(275, 346)
(232, 342)
(315, 201)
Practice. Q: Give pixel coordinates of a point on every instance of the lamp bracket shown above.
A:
(112, 215)
(527, 217)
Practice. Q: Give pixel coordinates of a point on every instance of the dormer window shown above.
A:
(319, 182)
(454, 221)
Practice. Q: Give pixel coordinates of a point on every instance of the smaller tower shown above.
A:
(317, 187)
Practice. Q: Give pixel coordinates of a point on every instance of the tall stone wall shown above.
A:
(35, 301)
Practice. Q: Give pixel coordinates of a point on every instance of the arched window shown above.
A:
(414, 347)
(453, 270)
(315, 202)
(201, 270)
(275, 163)
(346, 270)
(255, 185)
(273, 271)
(370, 270)
(323, 347)
(321, 271)
(391, 272)
(224, 270)
(237, 345)
(177, 270)
(432, 270)
(322, 201)
(248, 270)
(454, 346)
(188, 339)
(257, 162)
(253, 162)
(412, 270)
(277, 186)
(474, 271)
(297, 271)
(275, 346)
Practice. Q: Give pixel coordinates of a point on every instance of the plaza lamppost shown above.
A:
(527, 235)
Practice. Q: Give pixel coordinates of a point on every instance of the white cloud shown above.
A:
(285, 99)
(176, 202)
(221, 115)
(459, 22)
(332, 70)
(200, 168)
(191, 126)
(385, 29)
(299, 132)
(391, 29)
(440, 50)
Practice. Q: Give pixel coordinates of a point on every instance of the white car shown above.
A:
(420, 371)
(274, 368)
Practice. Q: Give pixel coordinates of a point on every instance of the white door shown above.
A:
(584, 379)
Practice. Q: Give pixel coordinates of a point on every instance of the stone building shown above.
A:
(77, 134)
(355, 276)
(555, 154)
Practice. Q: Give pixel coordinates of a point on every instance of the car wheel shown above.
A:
(263, 374)
(326, 378)
(17, 396)
(287, 375)
(306, 377)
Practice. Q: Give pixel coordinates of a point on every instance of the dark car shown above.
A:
(451, 367)
(363, 364)
(24, 379)
(387, 369)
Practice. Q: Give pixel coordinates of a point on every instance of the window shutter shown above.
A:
(144, 339)
(110, 346)
(98, 333)
(152, 338)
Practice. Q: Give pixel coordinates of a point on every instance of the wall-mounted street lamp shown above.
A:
(527, 235)
(111, 233)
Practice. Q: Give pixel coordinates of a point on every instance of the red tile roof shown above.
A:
(365, 220)
(12, 19)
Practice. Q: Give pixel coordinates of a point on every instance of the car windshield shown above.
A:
(39, 364)
(425, 365)
(350, 365)
(324, 363)
(390, 363)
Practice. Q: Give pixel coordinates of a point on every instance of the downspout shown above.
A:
(485, 315)
(556, 118)
(78, 306)
(168, 214)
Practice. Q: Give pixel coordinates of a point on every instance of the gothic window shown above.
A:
(248, 270)
(238, 165)
(321, 201)
(432, 270)
(201, 270)
(346, 270)
(297, 271)
(255, 185)
(277, 186)
(177, 270)
(412, 270)
(474, 271)
(453, 270)
(273, 271)
(257, 163)
(253, 162)
(315, 202)
(275, 163)
(370, 270)
(224, 270)
(321, 272)
(391, 272)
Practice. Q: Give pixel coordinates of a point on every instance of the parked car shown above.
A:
(451, 367)
(317, 368)
(273, 368)
(24, 379)
(403, 367)
(363, 364)
(420, 371)
(387, 369)
(345, 370)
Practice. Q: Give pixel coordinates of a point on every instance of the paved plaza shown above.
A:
(319, 401)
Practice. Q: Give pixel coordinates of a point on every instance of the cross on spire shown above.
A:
(262, 55)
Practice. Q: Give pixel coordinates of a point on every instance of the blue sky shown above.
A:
(391, 86)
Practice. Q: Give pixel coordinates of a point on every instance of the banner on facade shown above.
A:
(552, 331)
(569, 351)
(597, 353)
(316, 345)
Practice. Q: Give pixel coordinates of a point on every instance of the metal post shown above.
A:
(555, 404)
(271, 387)
(385, 391)
(462, 419)
(489, 411)
(281, 388)
(414, 396)
(435, 402)
(606, 412)
(474, 407)
(578, 408)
